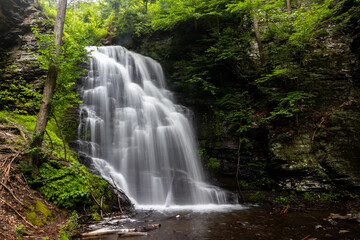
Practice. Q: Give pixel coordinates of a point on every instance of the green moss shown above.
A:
(32, 217)
(47, 214)
(39, 215)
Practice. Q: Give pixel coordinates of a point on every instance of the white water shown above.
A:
(135, 134)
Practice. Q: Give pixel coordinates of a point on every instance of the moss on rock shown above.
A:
(39, 214)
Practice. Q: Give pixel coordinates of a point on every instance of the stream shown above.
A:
(241, 222)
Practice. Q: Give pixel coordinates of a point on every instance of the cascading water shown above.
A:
(135, 134)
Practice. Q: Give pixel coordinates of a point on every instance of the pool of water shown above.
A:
(240, 222)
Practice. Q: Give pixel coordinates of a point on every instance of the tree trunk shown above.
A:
(258, 40)
(116, 7)
(37, 3)
(288, 4)
(50, 82)
(240, 195)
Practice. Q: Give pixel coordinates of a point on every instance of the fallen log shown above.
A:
(101, 232)
(132, 234)
(349, 217)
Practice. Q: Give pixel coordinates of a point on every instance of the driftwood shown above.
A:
(101, 205)
(132, 234)
(140, 231)
(118, 192)
(97, 203)
(349, 217)
(101, 232)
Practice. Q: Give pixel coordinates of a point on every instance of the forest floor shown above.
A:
(19, 204)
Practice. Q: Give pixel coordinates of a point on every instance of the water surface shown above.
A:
(246, 223)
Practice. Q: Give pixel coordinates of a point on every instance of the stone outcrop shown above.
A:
(325, 147)
(15, 21)
(19, 44)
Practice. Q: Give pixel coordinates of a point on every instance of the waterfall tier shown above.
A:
(135, 134)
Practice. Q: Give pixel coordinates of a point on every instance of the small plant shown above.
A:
(309, 196)
(95, 216)
(213, 163)
(20, 231)
(68, 230)
(285, 199)
(330, 196)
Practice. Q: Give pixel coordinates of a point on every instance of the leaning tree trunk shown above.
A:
(50, 78)
(258, 40)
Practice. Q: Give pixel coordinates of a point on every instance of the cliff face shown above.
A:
(319, 148)
(316, 149)
(324, 146)
(18, 44)
(15, 21)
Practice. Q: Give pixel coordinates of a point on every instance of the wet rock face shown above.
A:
(13, 24)
(19, 43)
(324, 147)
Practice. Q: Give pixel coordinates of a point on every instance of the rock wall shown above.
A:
(15, 21)
(18, 44)
(323, 149)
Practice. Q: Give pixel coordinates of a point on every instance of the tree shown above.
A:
(50, 82)
(37, 3)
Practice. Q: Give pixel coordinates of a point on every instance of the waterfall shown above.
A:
(133, 132)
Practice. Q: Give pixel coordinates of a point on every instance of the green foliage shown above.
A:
(67, 186)
(284, 199)
(330, 196)
(18, 96)
(237, 107)
(289, 105)
(86, 25)
(63, 185)
(70, 186)
(27, 124)
(95, 216)
(20, 231)
(72, 53)
(68, 230)
(310, 196)
(325, 196)
(257, 197)
(213, 163)
(277, 72)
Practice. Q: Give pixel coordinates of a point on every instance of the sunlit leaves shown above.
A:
(87, 24)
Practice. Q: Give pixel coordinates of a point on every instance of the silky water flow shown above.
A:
(134, 133)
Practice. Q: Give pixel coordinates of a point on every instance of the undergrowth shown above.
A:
(62, 180)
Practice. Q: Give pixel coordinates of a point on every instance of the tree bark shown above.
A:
(240, 195)
(288, 4)
(258, 40)
(50, 82)
(37, 3)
